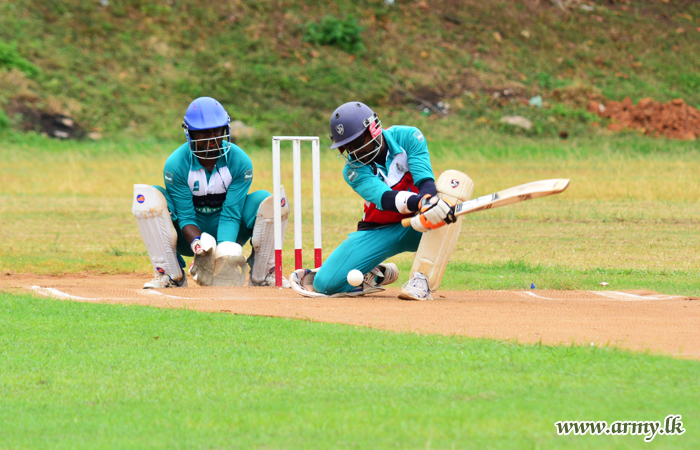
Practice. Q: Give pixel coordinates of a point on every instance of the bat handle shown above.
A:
(406, 222)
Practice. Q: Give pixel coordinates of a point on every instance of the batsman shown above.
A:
(390, 169)
(206, 211)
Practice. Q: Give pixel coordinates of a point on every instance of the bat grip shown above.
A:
(406, 222)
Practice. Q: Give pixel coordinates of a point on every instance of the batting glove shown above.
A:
(434, 209)
(421, 224)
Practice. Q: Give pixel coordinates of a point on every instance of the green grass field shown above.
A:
(629, 218)
(98, 376)
(76, 375)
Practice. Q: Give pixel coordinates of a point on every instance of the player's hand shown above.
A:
(421, 224)
(434, 209)
(196, 246)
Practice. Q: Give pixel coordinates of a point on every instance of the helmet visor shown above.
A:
(210, 144)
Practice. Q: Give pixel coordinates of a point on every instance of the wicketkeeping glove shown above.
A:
(196, 246)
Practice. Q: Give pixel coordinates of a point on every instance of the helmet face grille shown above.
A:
(218, 145)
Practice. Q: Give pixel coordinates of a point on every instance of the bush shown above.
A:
(344, 34)
(4, 120)
(10, 58)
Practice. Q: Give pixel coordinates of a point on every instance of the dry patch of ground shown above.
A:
(636, 320)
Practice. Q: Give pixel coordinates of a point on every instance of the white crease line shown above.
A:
(51, 292)
(633, 297)
(152, 292)
(532, 294)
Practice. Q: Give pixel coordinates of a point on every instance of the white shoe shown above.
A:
(416, 288)
(302, 282)
(162, 281)
(270, 280)
(382, 275)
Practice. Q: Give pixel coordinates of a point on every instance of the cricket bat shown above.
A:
(527, 191)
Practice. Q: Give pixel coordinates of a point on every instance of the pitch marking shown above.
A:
(51, 292)
(152, 292)
(627, 297)
(532, 294)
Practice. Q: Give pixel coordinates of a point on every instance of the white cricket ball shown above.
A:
(355, 277)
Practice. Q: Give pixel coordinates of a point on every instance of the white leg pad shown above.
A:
(202, 268)
(437, 245)
(263, 240)
(230, 268)
(157, 231)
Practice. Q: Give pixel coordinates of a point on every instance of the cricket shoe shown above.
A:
(382, 275)
(416, 288)
(162, 281)
(270, 280)
(302, 281)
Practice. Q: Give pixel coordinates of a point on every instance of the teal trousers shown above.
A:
(363, 250)
(209, 223)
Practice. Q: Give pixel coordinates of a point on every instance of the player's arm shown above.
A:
(241, 168)
(405, 202)
(180, 194)
(365, 183)
(434, 209)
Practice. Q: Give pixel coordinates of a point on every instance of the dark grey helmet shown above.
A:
(348, 122)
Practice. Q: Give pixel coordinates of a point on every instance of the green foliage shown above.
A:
(344, 34)
(134, 65)
(4, 120)
(11, 59)
(690, 81)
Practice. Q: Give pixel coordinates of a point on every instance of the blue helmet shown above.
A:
(350, 121)
(206, 113)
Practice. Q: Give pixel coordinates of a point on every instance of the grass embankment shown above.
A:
(133, 66)
(102, 376)
(629, 218)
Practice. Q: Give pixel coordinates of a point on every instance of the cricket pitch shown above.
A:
(636, 320)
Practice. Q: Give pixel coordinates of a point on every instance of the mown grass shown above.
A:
(629, 218)
(81, 375)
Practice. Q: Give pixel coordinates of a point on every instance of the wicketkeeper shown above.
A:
(390, 169)
(205, 209)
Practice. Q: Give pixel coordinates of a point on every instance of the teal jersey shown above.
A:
(406, 166)
(200, 196)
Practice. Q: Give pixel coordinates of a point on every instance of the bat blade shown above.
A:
(527, 191)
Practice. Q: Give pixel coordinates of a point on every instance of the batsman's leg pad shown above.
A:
(202, 268)
(437, 245)
(230, 268)
(263, 240)
(157, 231)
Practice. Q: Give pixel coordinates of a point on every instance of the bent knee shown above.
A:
(329, 284)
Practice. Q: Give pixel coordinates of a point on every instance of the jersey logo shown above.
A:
(196, 186)
(454, 183)
(248, 174)
(340, 129)
(399, 167)
(352, 175)
(168, 177)
(418, 135)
